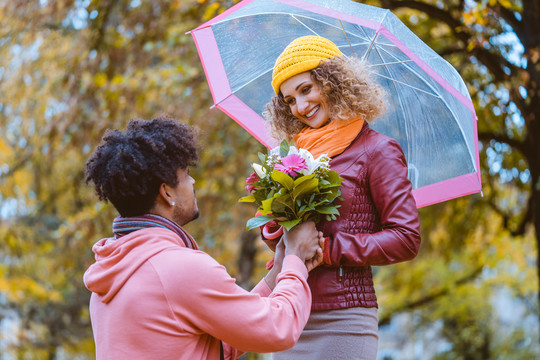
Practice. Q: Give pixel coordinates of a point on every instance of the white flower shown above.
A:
(310, 162)
(324, 161)
(259, 170)
(275, 151)
(293, 150)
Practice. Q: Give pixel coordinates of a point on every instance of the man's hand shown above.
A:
(278, 262)
(302, 241)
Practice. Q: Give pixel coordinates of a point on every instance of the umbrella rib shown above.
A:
(408, 85)
(436, 94)
(295, 16)
(310, 29)
(252, 80)
(391, 63)
(370, 45)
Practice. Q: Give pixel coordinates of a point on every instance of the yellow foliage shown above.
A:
(86, 346)
(507, 4)
(23, 178)
(211, 11)
(22, 287)
(117, 79)
(5, 150)
(100, 80)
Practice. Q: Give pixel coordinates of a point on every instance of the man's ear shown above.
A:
(164, 193)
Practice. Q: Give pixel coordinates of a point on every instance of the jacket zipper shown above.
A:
(340, 273)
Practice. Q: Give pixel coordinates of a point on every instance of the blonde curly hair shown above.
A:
(346, 86)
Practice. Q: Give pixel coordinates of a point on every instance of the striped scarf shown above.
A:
(125, 225)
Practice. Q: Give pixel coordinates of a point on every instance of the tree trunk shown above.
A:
(533, 139)
(246, 260)
(531, 43)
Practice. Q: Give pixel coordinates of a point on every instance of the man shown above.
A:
(154, 294)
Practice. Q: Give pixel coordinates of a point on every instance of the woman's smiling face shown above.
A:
(304, 98)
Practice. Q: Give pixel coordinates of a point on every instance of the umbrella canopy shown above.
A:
(430, 112)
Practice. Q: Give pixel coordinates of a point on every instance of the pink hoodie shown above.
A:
(155, 299)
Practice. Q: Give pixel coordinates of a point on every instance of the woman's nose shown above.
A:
(302, 106)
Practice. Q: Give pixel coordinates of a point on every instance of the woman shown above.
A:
(323, 103)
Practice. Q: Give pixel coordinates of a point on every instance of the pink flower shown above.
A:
(253, 178)
(291, 164)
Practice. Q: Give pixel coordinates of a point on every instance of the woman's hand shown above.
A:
(317, 259)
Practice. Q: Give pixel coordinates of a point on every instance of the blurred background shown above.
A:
(69, 70)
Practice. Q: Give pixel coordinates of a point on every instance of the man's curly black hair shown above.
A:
(128, 167)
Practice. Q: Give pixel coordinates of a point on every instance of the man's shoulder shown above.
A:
(185, 260)
(186, 269)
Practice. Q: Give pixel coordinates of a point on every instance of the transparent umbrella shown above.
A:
(430, 112)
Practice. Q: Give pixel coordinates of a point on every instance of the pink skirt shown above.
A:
(344, 334)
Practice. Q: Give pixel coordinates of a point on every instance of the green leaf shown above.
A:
(258, 221)
(263, 212)
(267, 204)
(325, 182)
(301, 179)
(284, 148)
(334, 178)
(331, 210)
(249, 198)
(260, 195)
(329, 186)
(289, 224)
(306, 187)
(283, 179)
(281, 203)
(262, 157)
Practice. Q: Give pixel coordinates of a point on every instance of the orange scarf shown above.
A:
(331, 139)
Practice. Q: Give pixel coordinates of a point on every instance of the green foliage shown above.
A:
(475, 246)
(70, 70)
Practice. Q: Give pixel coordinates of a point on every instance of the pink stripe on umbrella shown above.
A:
(215, 73)
(251, 121)
(447, 189)
(475, 124)
(332, 13)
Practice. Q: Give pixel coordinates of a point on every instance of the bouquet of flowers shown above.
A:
(290, 186)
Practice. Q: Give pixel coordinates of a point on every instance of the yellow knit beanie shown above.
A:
(302, 54)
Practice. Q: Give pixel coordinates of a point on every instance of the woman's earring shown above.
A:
(172, 204)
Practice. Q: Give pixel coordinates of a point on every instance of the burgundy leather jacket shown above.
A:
(378, 223)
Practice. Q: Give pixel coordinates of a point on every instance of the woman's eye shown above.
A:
(290, 101)
(306, 89)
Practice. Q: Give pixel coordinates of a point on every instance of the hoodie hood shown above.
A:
(117, 260)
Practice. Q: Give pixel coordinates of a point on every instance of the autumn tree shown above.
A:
(495, 45)
(70, 69)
